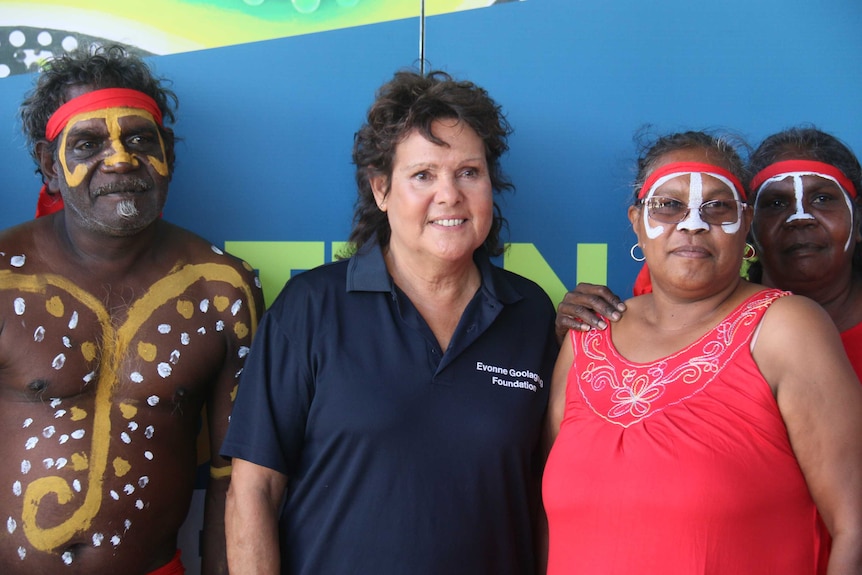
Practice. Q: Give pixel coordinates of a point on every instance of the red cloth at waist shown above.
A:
(174, 567)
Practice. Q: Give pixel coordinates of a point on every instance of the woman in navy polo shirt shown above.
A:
(389, 414)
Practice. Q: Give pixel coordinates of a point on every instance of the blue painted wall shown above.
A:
(267, 127)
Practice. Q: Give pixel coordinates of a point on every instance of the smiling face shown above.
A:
(691, 255)
(805, 231)
(111, 169)
(439, 199)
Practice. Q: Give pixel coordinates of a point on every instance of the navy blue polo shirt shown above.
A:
(402, 458)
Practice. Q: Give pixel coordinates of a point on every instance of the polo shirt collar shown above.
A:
(367, 271)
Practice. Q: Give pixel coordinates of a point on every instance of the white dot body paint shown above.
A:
(27, 423)
(67, 557)
(59, 413)
(97, 539)
(257, 282)
(114, 495)
(61, 462)
(164, 369)
(202, 330)
(48, 431)
(148, 455)
(48, 463)
(19, 306)
(205, 305)
(216, 250)
(17, 261)
(25, 467)
(799, 194)
(11, 525)
(73, 321)
(125, 438)
(64, 438)
(175, 356)
(89, 377)
(67, 342)
(139, 504)
(39, 334)
(78, 434)
(164, 328)
(237, 305)
(31, 443)
(133, 425)
(22, 553)
(55, 402)
(136, 377)
(142, 482)
(16, 489)
(149, 431)
(127, 524)
(185, 338)
(76, 485)
(219, 325)
(129, 489)
(153, 400)
(243, 351)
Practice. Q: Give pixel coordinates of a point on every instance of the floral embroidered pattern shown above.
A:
(624, 393)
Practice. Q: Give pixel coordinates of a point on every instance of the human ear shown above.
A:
(48, 166)
(380, 189)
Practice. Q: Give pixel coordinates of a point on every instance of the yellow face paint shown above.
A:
(220, 302)
(147, 351)
(88, 350)
(55, 306)
(112, 118)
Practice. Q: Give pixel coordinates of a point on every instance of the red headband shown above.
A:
(686, 168)
(805, 167)
(100, 100)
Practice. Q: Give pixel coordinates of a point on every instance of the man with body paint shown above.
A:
(116, 329)
(806, 230)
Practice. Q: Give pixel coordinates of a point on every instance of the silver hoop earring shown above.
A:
(634, 257)
(749, 253)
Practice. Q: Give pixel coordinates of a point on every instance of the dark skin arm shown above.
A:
(581, 309)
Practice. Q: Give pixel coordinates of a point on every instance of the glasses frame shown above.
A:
(741, 206)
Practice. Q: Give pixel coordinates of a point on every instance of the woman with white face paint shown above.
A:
(717, 427)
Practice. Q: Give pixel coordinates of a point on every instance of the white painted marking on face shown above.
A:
(127, 524)
(142, 482)
(61, 462)
(76, 485)
(133, 425)
(64, 438)
(125, 438)
(114, 495)
(164, 369)
(89, 377)
(59, 413)
(115, 540)
(22, 553)
(243, 351)
(237, 305)
(695, 200)
(78, 434)
(39, 334)
(148, 455)
(97, 539)
(73, 321)
(17, 261)
(128, 489)
(48, 463)
(184, 338)
(164, 328)
(205, 305)
(238, 373)
(59, 361)
(149, 431)
(153, 400)
(257, 282)
(16, 489)
(175, 356)
(27, 423)
(55, 401)
(202, 330)
(11, 525)
(136, 377)
(216, 250)
(67, 557)
(19, 305)
(25, 467)
(48, 431)
(139, 504)
(31, 443)
(67, 342)
(219, 325)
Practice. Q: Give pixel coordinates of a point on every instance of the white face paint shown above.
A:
(799, 194)
(693, 220)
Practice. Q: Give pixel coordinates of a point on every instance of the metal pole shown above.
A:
(422, 37)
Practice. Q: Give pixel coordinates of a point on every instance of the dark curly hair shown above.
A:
(809, 143)
(724, 147)
(411, 101)
(101, 67)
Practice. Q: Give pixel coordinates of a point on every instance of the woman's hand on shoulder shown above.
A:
(582, 309)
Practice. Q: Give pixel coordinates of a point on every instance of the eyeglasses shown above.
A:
(715, 212)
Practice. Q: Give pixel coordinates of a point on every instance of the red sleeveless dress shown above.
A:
(678, 466)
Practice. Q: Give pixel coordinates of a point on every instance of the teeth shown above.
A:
(449, 223)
